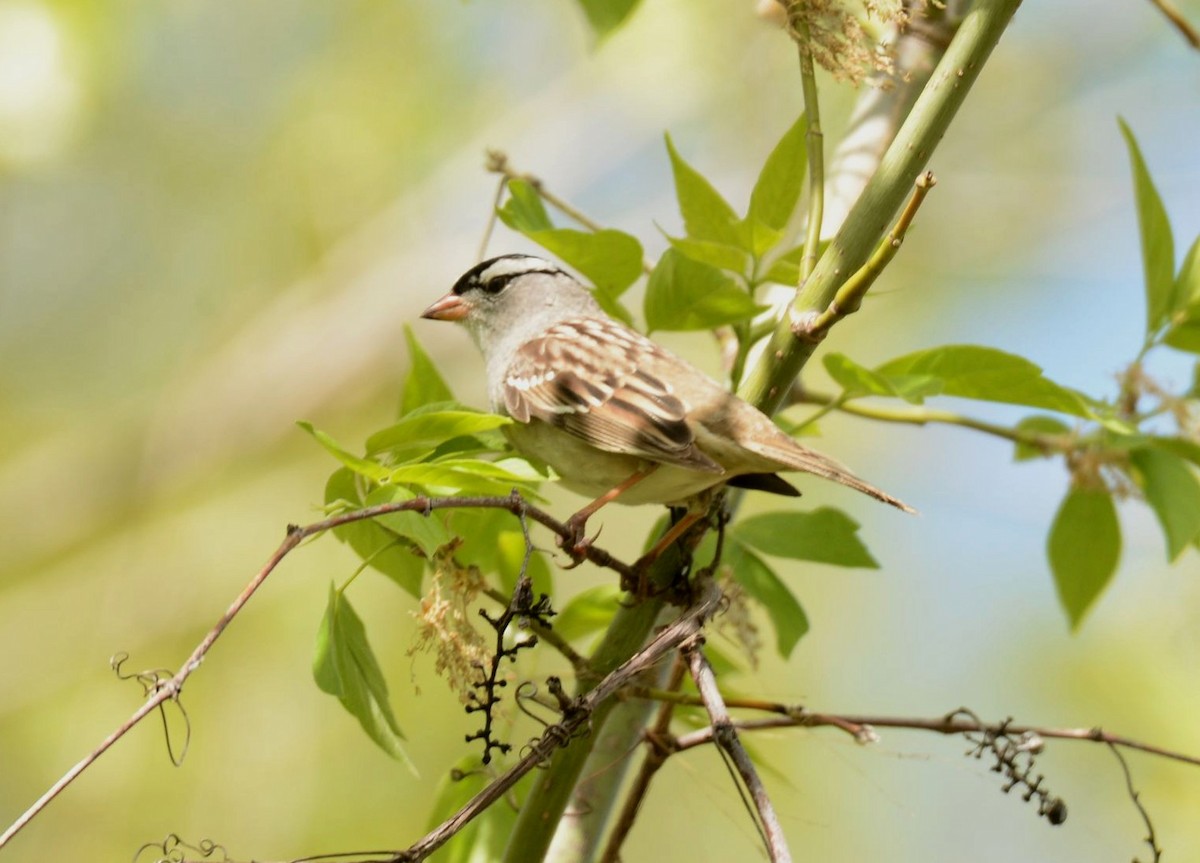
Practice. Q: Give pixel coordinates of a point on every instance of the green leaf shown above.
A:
(345, 667)
(1158, 247)
(1040, 425)
(613, 307)
(364, 467)
(1173, 493)
(1187, 283)
(1083, 549)
(510, 553)
(706, 215)
(381, 549)
(524, 210)
(1185, 334)
(416, 435)
(493, 542)
(824, 535)
(451, 475)
(424, 384)
(1185, 319)
(605, 16)
(686, 295)
(588, 612)
(717, 255)
(987, 374)
(611, 260)
(757, 237)
(778, 187)
(858, 380)
(1183, 447)
(785, 270)
(761, 582)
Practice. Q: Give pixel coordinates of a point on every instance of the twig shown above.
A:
(725, 736)
(862, 727)
(1043, 441)
(491, 221)
(170, 688)
(850, 295)
(1137, 802)
(1181, 24)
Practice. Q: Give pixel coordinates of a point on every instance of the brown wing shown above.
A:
(588, 376)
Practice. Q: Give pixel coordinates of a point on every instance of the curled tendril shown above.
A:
(174, 849)
(152, 680)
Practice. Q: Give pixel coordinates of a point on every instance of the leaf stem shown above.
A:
(815, 142)
(1047, 443)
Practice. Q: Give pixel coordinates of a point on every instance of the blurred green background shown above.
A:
(215, 219)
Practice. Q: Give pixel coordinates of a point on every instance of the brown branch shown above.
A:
(725, 736)
(862, 727)
(170, 688)
(1178, 21)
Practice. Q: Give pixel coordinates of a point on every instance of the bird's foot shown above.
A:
(575, 541)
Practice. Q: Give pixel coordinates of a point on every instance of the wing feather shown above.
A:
(590, 377)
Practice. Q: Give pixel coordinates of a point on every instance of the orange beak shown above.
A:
(451, 307)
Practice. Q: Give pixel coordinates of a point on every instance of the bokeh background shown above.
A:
(215, 220)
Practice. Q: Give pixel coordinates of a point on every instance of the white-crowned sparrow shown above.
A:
(616, 416)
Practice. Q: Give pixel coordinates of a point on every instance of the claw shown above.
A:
(576, 543)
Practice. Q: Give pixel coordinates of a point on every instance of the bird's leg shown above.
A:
(698, 508)
(576, 541)
(641, 566)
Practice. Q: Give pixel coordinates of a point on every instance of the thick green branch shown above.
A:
(788, 350)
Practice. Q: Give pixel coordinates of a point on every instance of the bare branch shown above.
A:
(725, 736)
(862, 727)
(1182, 25)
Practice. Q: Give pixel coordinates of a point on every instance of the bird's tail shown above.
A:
(797, 457)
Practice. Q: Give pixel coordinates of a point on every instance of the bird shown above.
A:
(616, 415)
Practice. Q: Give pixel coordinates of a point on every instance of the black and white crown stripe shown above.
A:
(492, 275)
